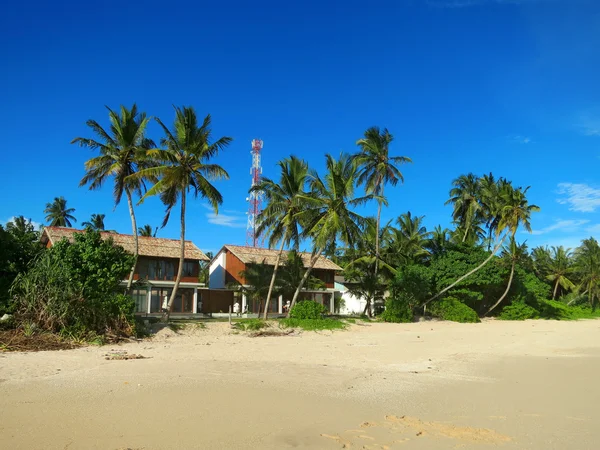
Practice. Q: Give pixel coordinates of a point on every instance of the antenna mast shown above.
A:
(255, 198)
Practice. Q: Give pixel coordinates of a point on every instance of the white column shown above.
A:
(149, 298)
(280, 307)
(195, 305)
(243, 303)
(332, 303)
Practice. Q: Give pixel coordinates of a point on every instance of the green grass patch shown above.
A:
(552, 309)
(251, 324)
(313, 324)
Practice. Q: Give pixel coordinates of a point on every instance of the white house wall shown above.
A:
(216, 277)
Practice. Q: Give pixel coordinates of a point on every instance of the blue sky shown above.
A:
(504, 86)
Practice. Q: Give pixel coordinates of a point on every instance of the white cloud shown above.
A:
(579, 197)
(226, 220)
(562, 225)
(518, 139)
(593, 229)
(36, 225)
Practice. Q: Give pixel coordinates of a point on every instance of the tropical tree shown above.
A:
(465, 198)
(542, 259)
(257, 278)
(515, 211)
(96, 222)
(587, 268)
(514, 253)
(57, 213)
(438, 241)
(409, 240)
(376, 169)
(122, 154)
(279, 219)
(184, 166)
(147, 231)
(560, 268)
(291, 274)
(327, 215)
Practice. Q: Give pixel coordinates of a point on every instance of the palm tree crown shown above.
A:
(57, 213)
(96, 222)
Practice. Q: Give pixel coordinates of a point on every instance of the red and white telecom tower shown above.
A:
(255, 197)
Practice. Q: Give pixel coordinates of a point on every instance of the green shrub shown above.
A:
(313, 324)
(553, 309)
(518, 311)
(450, 308)
(75, 286)
(251, 324)
(397, 310)
(307, 309)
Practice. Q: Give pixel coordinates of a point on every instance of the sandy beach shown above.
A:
(428, 385)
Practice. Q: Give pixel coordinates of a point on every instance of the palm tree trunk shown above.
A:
(135, 239)
(181, 259)
(512, 272)
(313, 261)
(555, 288)
(273, 278)
(468, 274)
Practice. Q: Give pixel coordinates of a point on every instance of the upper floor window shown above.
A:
(189, 268)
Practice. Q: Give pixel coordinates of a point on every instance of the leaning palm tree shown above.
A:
(184, 166)
(587, 267)
(122, 153)
(514, 253)
(257, 277)
(279, 218)
(57, 213)
(465, 197)
(560, 268)
(327, 215)
(146, 231)
(515, 211)
(96, 222)
(376, 169)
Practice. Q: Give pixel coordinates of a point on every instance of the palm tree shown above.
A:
(257, 278)
(184, 166)
(465, 196)
(438, 242)
(147, 231)
(327, 215)
(57, 213)
(96, 222)
(513, 253)
(122, 154)
(514, 211)
(410, 238)
(376, 169)
(284, 202)
(587, 267)
(291, 274)
(560, 268)
(542, 259)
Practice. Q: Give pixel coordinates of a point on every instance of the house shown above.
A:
(226, 267)
(155, 271)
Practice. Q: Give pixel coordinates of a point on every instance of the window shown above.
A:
(140, 297)
(189, 268)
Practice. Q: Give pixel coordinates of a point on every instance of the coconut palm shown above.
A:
(587, 268)
(284, 202)
(515, 211)
(465, 198)
(122, 154)
(184, 166)
(376, 169)
(257, 278)
(411, 237)
(514, 253)
(57, 213)
(291, 274)
(439, 241)
(96, 222)
(560, 268)
(542, 259)
(327, 215)
(147, 231)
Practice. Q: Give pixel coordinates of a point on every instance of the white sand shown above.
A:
(429, 385)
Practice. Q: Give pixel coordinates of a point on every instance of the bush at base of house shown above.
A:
(452, 309)
(518, 311)
(75, 287)
(397, 311)
(307, 309)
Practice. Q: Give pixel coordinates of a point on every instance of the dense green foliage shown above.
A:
(453, 309)
(518, 311)
(397, 310)
(307, 309)
(75, 285)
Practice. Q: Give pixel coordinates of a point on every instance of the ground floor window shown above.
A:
(183, 303)
(140, 297)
